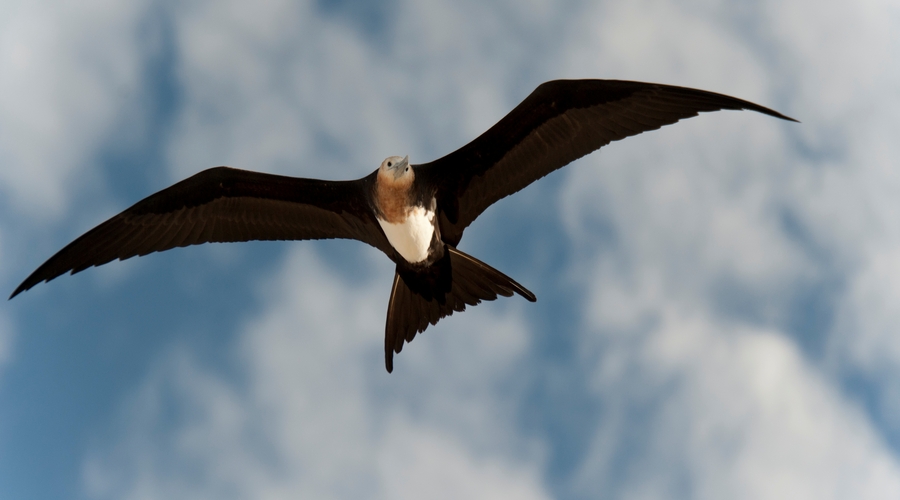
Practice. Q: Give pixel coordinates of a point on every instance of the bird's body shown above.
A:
(415, 214)
(408, 221)
(413, 235)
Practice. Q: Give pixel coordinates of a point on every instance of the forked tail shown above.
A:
(420, 299)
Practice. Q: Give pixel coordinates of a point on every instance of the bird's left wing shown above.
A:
(559, 122)
(223, 205)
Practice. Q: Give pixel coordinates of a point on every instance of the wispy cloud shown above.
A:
(732, 277)
(67, 69)
(711, 310)
(318, 417)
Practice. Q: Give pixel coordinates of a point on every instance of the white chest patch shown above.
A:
(412, 237)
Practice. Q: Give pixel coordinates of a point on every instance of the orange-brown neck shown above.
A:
(393, 196)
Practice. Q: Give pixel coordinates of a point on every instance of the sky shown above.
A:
(717, 300)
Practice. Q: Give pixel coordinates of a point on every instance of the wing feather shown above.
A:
(223, 205)
(558, 123)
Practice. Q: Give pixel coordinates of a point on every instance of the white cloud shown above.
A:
(308, 94)
(318, 417)
(679, 43)
(729, 412)
(686, 330)
(66, 71)
(690, 302)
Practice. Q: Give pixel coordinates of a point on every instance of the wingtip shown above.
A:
(770, 112)
(388, 358)
(26, 285)
(524, 292)
(18, 290)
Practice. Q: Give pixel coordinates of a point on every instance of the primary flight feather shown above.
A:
(415, 214)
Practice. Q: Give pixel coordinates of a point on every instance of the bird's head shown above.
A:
(396, 168)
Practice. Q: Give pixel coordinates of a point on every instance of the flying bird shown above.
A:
(415, 214)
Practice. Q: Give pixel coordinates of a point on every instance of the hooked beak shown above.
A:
(400, 167)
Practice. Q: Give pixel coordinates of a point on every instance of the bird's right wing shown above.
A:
(223, 204)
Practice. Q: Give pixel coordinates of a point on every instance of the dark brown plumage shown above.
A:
(559, 122)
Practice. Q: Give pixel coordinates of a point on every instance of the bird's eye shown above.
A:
(389, 164)
(407, 169)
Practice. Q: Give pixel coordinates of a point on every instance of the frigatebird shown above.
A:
(416, 214)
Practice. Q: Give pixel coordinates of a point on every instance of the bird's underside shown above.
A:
(559, 122)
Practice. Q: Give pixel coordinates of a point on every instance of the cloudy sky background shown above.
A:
(717, 310)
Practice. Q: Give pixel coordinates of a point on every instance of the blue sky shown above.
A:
(717, 300)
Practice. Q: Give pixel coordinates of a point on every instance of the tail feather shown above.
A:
(418, 300)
